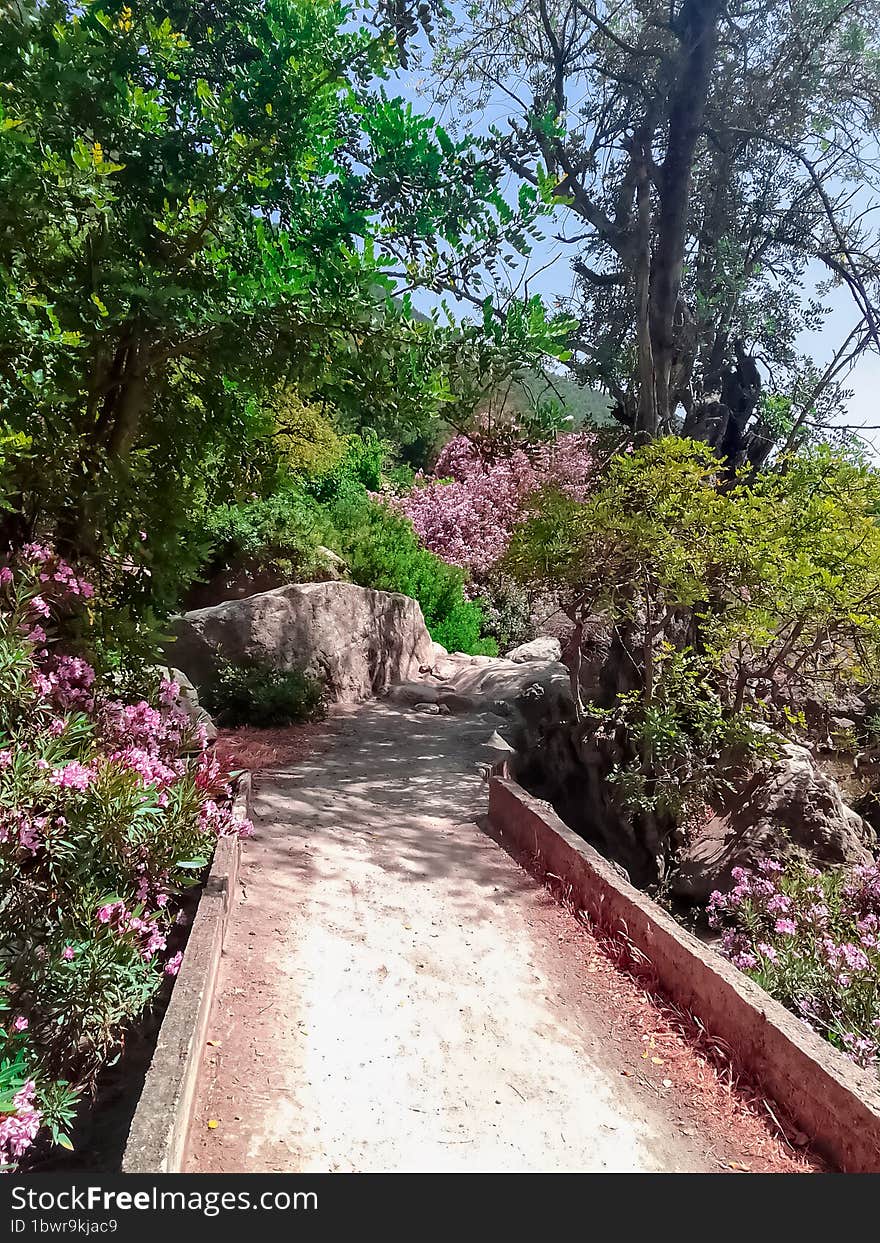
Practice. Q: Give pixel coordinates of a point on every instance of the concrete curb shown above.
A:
(158, 1133)
(831, 1099)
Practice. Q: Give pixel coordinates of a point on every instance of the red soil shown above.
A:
(672, 1054)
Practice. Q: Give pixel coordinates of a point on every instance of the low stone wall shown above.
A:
(158, 1134)
(831, 1099)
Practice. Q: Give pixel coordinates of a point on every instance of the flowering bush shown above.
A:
(812, 940)
(466, 513)
(108, 811)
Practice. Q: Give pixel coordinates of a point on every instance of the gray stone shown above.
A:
(544, 648)
(330, 564)
(356, 641)
(787, 806)
(491, 684)
(189, 702)
(496, 743)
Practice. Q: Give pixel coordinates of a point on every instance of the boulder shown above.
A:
(491, 684)
(356, 641)
(544, 648)
(787, 806)
(189, 702)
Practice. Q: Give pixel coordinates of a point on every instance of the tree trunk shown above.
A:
(697, 29)
(79, 530)
(646, 418)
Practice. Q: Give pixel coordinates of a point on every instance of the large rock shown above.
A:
(491, 684)
(787, 806)
(544, 648)
(356, 641)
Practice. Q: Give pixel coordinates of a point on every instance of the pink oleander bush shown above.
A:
(109, 810)
(466, 513)
(812, 940)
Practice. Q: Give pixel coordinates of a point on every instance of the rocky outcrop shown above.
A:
(787, 805)
(356, 641)
(546, 648)
(491, 684)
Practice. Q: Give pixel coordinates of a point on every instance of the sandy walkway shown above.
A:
(397, 994)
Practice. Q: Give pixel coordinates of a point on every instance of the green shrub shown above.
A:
(359, 469)
(282, 529)
(459, 631)
(306, 439)
(256, 694)
(382, 551)
(508, 611)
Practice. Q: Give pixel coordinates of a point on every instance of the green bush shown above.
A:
(256, 694)
(382, 551)
(508, 611)
(282, 529)
(285, 527)
(359, 469)
(459, 631)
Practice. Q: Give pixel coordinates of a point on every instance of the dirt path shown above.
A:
(398, 995)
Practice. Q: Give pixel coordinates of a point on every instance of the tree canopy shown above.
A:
(714, 157)
(196, 202)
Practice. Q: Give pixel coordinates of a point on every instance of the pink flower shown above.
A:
(150, 769)
(28, 833)
(73, 776)
(785, 926)
(24, 1097)
(467, 512)
(172, 966)
(779, 904)
(169, 692)
(37, 554)
(861, 1050)
(20, 1023)
(5, 576)
(770, 867)
(68, 953)
(745, 961)
(5, 759)
(19, 1130)
(39, 605)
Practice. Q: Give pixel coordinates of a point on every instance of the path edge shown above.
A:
(159, 1129)
(834, 1102)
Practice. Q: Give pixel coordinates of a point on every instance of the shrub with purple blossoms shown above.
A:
(466, 513)
(812, 940)
(108, 812)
